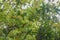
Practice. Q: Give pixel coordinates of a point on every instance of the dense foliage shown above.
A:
(29, 20)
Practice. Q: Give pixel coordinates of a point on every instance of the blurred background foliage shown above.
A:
(29, 20)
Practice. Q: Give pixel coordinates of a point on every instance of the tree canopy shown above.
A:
(29, 20)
